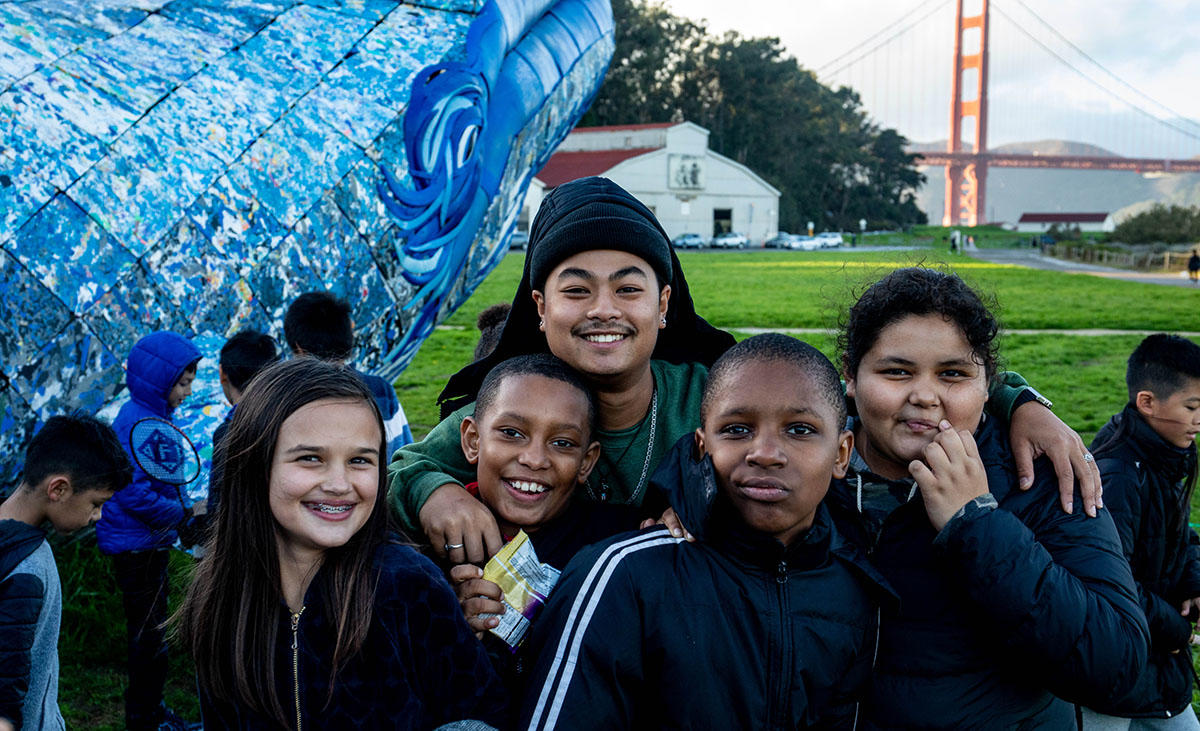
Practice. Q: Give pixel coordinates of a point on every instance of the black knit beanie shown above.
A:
(594, 213)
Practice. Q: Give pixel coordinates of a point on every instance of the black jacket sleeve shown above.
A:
(1169, 630)
(1189, 584)
(1056, 590)
(21, 598)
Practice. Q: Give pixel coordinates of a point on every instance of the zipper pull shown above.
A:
(781, 572)
(295, 626)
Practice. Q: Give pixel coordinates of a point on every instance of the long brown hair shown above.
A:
(230, 617)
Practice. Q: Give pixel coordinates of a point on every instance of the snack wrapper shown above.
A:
(525, 581)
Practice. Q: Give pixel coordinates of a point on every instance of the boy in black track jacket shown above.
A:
(1147, 459)
(768, 620)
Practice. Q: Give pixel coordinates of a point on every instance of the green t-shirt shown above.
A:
(622, 473)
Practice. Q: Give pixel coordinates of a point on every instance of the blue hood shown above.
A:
(154, 365)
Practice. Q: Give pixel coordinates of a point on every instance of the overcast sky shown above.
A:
(1152, 44)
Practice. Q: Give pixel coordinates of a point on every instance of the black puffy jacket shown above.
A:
(1148, 484)
(419, 668)
(734, 631)
(1002, 609)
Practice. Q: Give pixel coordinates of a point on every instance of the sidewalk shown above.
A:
(1034, 260)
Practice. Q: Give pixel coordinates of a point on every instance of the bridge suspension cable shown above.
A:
(1102, 67)
(830, 68)
(998, 8)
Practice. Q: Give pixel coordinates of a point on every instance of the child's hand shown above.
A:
(1190, 608)
(1035, 431)
(460, 528)
(951, 476)
(671, 520)
(476, 596)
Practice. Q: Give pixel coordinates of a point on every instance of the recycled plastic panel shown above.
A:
(194, 165)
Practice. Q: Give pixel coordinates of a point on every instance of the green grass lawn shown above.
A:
(1084, 375)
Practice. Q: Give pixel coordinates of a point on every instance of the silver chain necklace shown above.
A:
(635, 497)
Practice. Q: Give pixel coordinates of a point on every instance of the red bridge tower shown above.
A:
(966, 176)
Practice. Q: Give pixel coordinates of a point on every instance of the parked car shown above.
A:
(780, 240)
(830, 239)
(804, 243)
(519, 241)
(730, 240)
(688, 241)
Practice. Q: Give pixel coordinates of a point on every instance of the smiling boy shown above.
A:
(779, 617)
(531, 440)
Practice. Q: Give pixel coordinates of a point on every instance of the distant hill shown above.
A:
(1013, 191)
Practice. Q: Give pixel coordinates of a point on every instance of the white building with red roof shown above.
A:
(1041, 222)
(668, 166)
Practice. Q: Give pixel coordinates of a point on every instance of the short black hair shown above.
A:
(82, 447)
(770, 347)
(920, 291)
(1160, 364)
(246, 353)
(319, 324)
(537, 364)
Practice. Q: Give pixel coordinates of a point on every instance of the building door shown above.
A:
(722, 220)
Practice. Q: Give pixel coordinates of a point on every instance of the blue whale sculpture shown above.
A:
(193, 165)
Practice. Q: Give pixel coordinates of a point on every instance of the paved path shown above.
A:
(1031, 258)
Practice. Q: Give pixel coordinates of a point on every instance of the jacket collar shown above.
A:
(1174, 463)
(17, 541)
(690, 486)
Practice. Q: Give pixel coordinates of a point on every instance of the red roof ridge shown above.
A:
(1062, 217)
(630, 127)
(563, 167)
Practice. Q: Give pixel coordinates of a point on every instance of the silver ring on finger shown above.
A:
(1087, 457)
(452, 546)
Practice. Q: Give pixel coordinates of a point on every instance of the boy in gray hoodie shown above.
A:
(72, 466)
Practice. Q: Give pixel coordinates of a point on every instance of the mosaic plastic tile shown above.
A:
(74, 371)
(134, 307)
(77, 102)
(134, 88)
(70, 254)
(109, 17)
(165, 47)
(32, 314)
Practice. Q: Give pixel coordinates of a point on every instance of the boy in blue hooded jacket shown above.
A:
(141, 523)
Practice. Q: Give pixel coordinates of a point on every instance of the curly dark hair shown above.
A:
(920, 291)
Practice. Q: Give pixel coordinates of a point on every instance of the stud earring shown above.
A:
(541, 324)
(663, 321)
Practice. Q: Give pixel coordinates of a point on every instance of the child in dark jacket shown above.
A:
(1147, 458)
(142, 522)
(767, 620)
(72, 466)
(1006, 600)
(530, 439)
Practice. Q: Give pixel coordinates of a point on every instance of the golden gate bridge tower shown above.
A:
(966, 178)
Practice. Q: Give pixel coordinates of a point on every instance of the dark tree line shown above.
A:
(1160, 224)
(832, 165)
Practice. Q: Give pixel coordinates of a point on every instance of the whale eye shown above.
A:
(466, 144)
